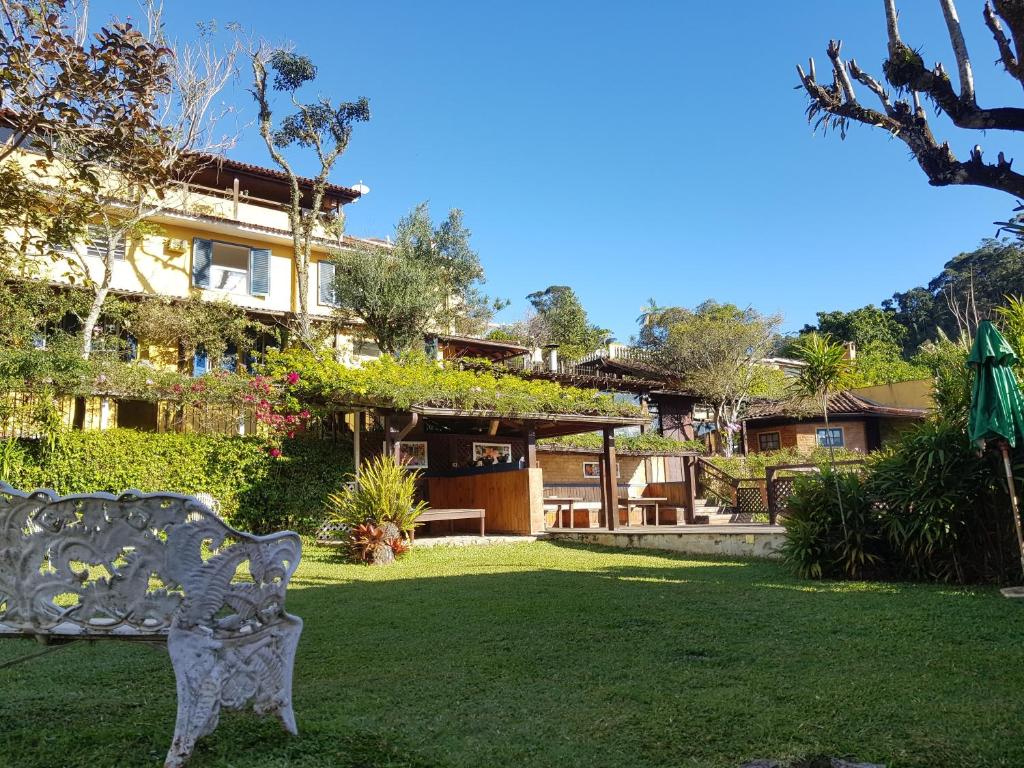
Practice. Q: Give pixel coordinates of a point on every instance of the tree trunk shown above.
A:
(98, 300)
(724, 435)
(301, 235)
(832, 462)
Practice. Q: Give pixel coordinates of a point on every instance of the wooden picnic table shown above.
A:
(450, 514)
(643, 501)
(562, 501)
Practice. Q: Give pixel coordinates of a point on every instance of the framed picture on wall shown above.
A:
(486, 454)
(413, 454)
(592, 470)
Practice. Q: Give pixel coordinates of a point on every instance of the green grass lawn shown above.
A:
(548, 655)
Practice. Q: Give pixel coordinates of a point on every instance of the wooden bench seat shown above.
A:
(157, 567)
(432, 515)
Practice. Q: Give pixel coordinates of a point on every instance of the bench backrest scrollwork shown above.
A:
(100, 564)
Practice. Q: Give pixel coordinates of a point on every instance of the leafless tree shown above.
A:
(903, 116)
(136, 177)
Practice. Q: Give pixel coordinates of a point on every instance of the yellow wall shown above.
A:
(151, 267)
(904, 394)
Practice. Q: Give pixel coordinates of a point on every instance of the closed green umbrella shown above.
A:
(997, 407)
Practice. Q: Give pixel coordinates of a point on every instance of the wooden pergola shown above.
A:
(401, 424)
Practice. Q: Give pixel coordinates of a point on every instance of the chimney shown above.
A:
(535, 360)
(851, 350)
(553, 360)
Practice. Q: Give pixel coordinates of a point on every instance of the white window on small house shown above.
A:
(831, 437)
(97, 243)
(326, 295)
(230, 268)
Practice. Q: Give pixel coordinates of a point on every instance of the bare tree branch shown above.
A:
(1006, 52)
(963, 61)
(834, 48)
(836, 106)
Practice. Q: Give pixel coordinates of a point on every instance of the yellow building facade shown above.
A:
(223, 236)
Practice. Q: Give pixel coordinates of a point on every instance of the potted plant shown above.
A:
(379, 511)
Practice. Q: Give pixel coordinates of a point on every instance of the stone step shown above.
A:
(708, 509)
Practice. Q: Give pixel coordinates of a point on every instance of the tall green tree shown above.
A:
(111, 116)
(878, 338)
(562, 320)
(987, 274)
(863, 326)
(825, 371)
(716, 351)
(428, 280)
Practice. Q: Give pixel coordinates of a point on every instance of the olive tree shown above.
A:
(427, 280)
(715, 351)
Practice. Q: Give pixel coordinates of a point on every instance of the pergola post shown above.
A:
(357, 431)
(609, 478)
(531, 447)
(690, 477)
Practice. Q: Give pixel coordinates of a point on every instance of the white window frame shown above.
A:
(817, 437)
(319, 277)
(246, 286)
(95, 231)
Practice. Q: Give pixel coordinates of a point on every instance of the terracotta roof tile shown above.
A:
(844, 403)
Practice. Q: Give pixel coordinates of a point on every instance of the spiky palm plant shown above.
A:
(826, 370)
(379, 510)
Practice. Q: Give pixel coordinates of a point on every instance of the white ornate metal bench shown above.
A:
(157, 566)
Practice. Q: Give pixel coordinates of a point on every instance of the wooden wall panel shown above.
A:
(676, 493)
(514, 500)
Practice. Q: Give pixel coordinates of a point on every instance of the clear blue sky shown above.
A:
(633, 150)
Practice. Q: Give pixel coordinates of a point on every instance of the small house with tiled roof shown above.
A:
(856, 423)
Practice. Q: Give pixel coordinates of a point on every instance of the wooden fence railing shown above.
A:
(747, 495)
(780, 479)
(755, 495)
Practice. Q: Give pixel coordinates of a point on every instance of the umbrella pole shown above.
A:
(1012, 487)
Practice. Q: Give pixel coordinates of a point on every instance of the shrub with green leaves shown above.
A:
(255, 492)
(646, 441)
(927, 508)
(755, 464)
(944, 509)
(819, 542)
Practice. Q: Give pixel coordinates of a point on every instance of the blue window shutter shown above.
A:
(325, 282)
(259, 271)
(200, 363)
(229, 362)
(133, 348)
(202, 261)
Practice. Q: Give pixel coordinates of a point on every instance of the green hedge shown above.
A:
(256, 492)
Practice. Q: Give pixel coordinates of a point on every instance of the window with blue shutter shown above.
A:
(229, 362)
(200, 362)
(131, 348)
(259, 271)
(202, 262)
(325, 283)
